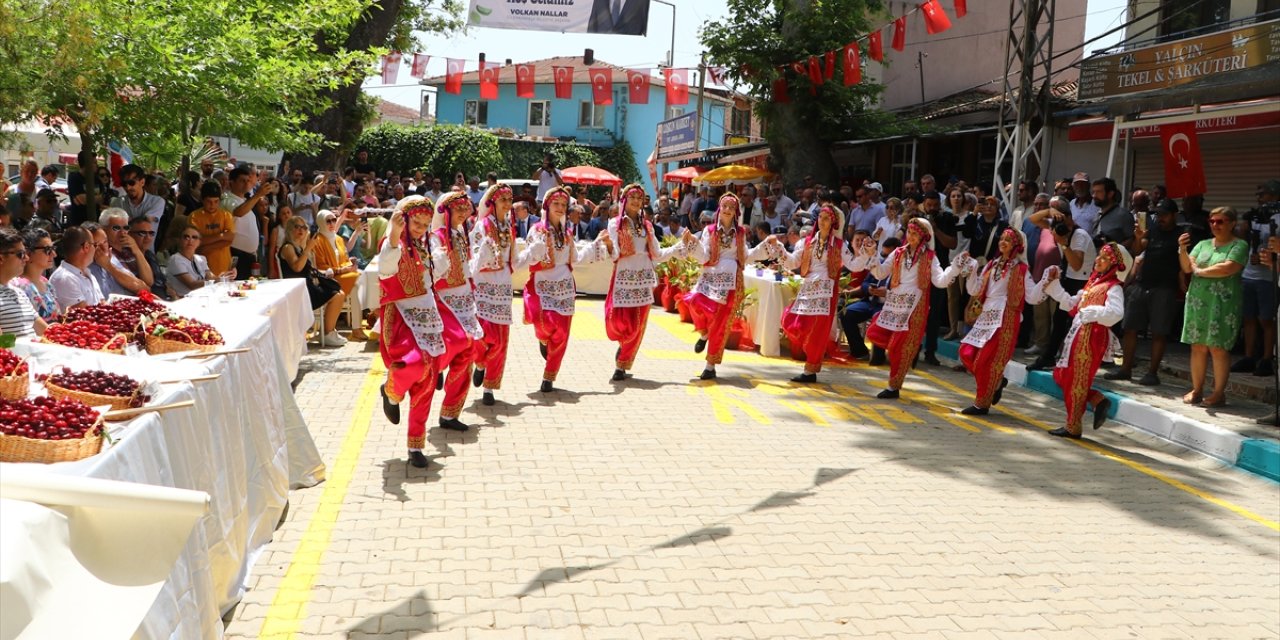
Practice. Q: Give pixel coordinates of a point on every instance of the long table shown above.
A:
(244, 443)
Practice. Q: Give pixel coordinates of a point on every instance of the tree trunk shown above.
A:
(793, 137)
(341, 123)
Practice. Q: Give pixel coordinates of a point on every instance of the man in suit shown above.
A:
(576, 223)
(619, 17)
(524, 219)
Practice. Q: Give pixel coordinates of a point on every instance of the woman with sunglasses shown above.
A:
(295, 262)
(330, 253)
(1215, 302)
(187, 269)
(17, 316)
(32, 282)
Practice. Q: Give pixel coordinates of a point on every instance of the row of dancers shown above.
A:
(446, 303)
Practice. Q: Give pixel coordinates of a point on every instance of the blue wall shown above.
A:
(636, 123)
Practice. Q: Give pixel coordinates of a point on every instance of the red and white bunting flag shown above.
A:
(899, 33)
(454, 68)
(564, 82)
(418, 68)
(716, 75)
(677, 85)
(390, 67)
(962, 8)
(875, 47)
(602, 85)
(852, 64)
(815, 75)
(829, 66)
(1183, 164)
(935, 19)
(780, 87)
(489, 72)
(638, 86)
(524, 80)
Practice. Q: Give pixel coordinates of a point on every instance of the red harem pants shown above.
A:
(457, 356)
(810, 334)
(410, 372)
(711, 319)
(987, 363)
(552, 329)
(901, 347)
(491, 352)
(625, 326)
(1076, 379)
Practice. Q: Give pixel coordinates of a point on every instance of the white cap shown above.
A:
(876, 186)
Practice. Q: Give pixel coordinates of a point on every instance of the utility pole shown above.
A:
(702, 84)
(1021, 138)
(920, 56)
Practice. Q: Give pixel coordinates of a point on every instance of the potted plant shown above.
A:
(739, 332)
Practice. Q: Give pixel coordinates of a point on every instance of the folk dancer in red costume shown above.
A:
(549, 293)
(1003, 286)
(1094, 310)
(455, 297)
(722, 250)
(635, 251)
(900, 325)
(412, 336)
(817, 258)
(493, 257)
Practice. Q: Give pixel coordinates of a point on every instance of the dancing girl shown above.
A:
(493, 259)
(818, 259)
(451, 254)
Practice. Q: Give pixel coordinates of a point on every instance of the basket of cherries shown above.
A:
(47, 429)
(121, 315)
(169, 332)
(14, 380)
(85, 334)
(96, 388)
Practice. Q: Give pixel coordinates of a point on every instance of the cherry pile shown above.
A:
(179, 329)
(45, 418)
(121, 316)
(11, 364)
(101, 383)
(84, 334)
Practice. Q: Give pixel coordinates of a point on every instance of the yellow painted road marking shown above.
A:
(682, 331)
(724, 400)
(1136, 466)
(288, 608)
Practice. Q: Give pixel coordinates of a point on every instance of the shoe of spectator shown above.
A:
(1150, 380)
(333, 339)
(1035, 350)
(1118, 374)
(1264, 368)
(931, 359)
(1244, 365)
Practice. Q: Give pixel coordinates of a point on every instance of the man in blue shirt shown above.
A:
(870, 301)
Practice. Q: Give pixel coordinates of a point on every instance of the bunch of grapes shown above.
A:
(11, 364)
(175, 327)
(101, 383)
(45, 418)
(84, 334)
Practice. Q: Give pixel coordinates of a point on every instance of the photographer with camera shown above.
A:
(548, 177)
(1078, 253)
(1258, 226)
(1151, 299)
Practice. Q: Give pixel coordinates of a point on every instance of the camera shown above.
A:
(1061, 228)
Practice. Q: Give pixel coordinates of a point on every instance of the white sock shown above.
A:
(711, 367)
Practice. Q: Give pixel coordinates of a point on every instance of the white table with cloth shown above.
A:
(765, 316)
(244, 443)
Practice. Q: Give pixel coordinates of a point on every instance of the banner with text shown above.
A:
(678, 136)
(618, 17)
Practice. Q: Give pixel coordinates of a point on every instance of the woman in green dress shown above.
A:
(1214, 303)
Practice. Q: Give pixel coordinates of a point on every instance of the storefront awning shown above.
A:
(1218, 118)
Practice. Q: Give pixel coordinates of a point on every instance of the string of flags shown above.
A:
(818, 69)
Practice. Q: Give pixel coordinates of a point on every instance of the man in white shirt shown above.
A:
(136, 201)
(867, 213)
(244, 247)
(1078, 254)
(48, 176)
(783, 206)
(1083, 209)
(548, 177)
(73, 284)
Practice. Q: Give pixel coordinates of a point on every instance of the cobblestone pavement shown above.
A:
(664, 507)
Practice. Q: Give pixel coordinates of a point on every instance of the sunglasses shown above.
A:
(129, 183)
(139, 232)
(1217, 221)
(48, 251)
(21, 254)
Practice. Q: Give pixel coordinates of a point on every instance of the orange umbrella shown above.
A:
(592, 176)
(684, 176)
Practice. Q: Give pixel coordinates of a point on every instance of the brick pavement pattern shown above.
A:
(664, 507)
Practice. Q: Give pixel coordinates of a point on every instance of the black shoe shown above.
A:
(1100, 413)
(439, 381)
(453, 424)
(546, 387)
(1062, 432)
(973, 410)
(877, 359)
(859, 354)
(542, 348)
(700, 345)
(1150, 380)
(488, 399)
(1264, 368)
(389, 409)
(806, 378)
(931, 359)
(1040, 364)
(619, 375)
(477, 377)
(1118, 374)
(959, 368)
(708, 374)
(418, 459)
(888, 394)
(995, 398)
(1244, 365)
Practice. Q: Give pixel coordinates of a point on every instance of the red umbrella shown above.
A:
(684, 176)
(590, 176)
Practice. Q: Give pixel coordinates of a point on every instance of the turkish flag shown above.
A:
(489, 80)
(638, 86)
(524, 80)
(829, 68)
(780, 88)
(677, 85)
(875, 48)
(899, 33)
(961, 8)
(418, 68)
(935, 19)
(453, 75)
(602, 85)
(716, 75)
(390, 67)
(852, 64)
(564, 82)
(1183, 164)
(815, 73)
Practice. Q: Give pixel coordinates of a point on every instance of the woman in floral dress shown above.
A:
(1215, 300)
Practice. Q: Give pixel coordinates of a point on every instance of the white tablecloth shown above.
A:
(285, 302)
(765, 316)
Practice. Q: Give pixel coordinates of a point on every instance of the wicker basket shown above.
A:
(157, 345)
(20, 449)
(91, 399)
(14, 387)
(119, 351)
